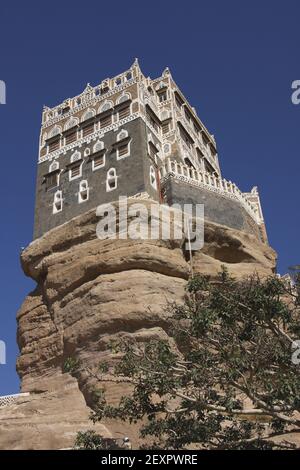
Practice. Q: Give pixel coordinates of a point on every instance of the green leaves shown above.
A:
(225, 379)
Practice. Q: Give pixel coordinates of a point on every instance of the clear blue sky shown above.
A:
(234, 60)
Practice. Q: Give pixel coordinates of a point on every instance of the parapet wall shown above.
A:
(217, 207)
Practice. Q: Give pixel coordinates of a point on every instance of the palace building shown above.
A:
(137, 137)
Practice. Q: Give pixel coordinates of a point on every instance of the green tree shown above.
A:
(230, 382)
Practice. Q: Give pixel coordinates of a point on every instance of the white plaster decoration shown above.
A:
(54, 166)
(171, 168)
(83, 194)
(153, 178)
(88, 114)
(71, 123)
(10, 399)
(111, 180)
(124, 97)
(105, 106)
(75, 156)
(58, 202)
(55, 131)
(122, 135)
(99, 145)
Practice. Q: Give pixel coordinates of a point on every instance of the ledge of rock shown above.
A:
(89, 293)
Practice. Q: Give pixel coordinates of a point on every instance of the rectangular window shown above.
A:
(165, 127)
(71, 137)
(153, 150)
(163, 96)
(105, 121)
(75, 171)
(54, 145)
(124, 112)
(152, 122)
(51, 181)
(88, 129)
(98, 161)
(122, 150)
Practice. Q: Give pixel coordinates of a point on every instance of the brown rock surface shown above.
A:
(90, 292)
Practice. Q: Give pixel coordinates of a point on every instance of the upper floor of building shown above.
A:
(114, 102)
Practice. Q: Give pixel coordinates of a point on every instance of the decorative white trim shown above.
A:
(124, 97)
(129, 113)
(72, 122)
(99, 145)
(84, 191)
(89, 113)
(122, 135)
(152, 175)
(71, 178)
(58, 202)
(93, 137)
(111, 176)
(173, 169)
(95, 168)
(56, 130)
(75, 156)
(108, 104)
(10, 399)
(120, 157)
(54, 166)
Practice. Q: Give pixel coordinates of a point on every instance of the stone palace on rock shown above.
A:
(133, 136)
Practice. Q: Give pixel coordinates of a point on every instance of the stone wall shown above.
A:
(217, 208)
(132, 172)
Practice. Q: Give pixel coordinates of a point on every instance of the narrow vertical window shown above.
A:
(153, 178)
(83, 194)
(111, 180)
(58, 202)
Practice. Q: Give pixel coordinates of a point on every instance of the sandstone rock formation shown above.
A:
(89, 293)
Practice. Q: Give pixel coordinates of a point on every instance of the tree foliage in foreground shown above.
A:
(230, 382)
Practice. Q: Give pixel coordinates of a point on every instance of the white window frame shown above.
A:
(71, 178)
(95, 168)
(108, 178)
(88, 111)
(57, 198)
(81, 190)
(130, 112)
(152, 174)
(120, 157)
(54, 166)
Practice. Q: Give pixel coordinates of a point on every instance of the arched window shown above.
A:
(122, 135)
(124, 97)
(75, 156)
(52, 178)
(167, 149)
(99, 145)
(54, 166)
(71, 123)
(83, 194)
(88, 114)
(75, 169)
(123, 144)
(54, 131)
(153, 178)
(111, 180)
(105, 106)
(58, 202)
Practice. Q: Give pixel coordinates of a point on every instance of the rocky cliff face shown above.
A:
(89, 293)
